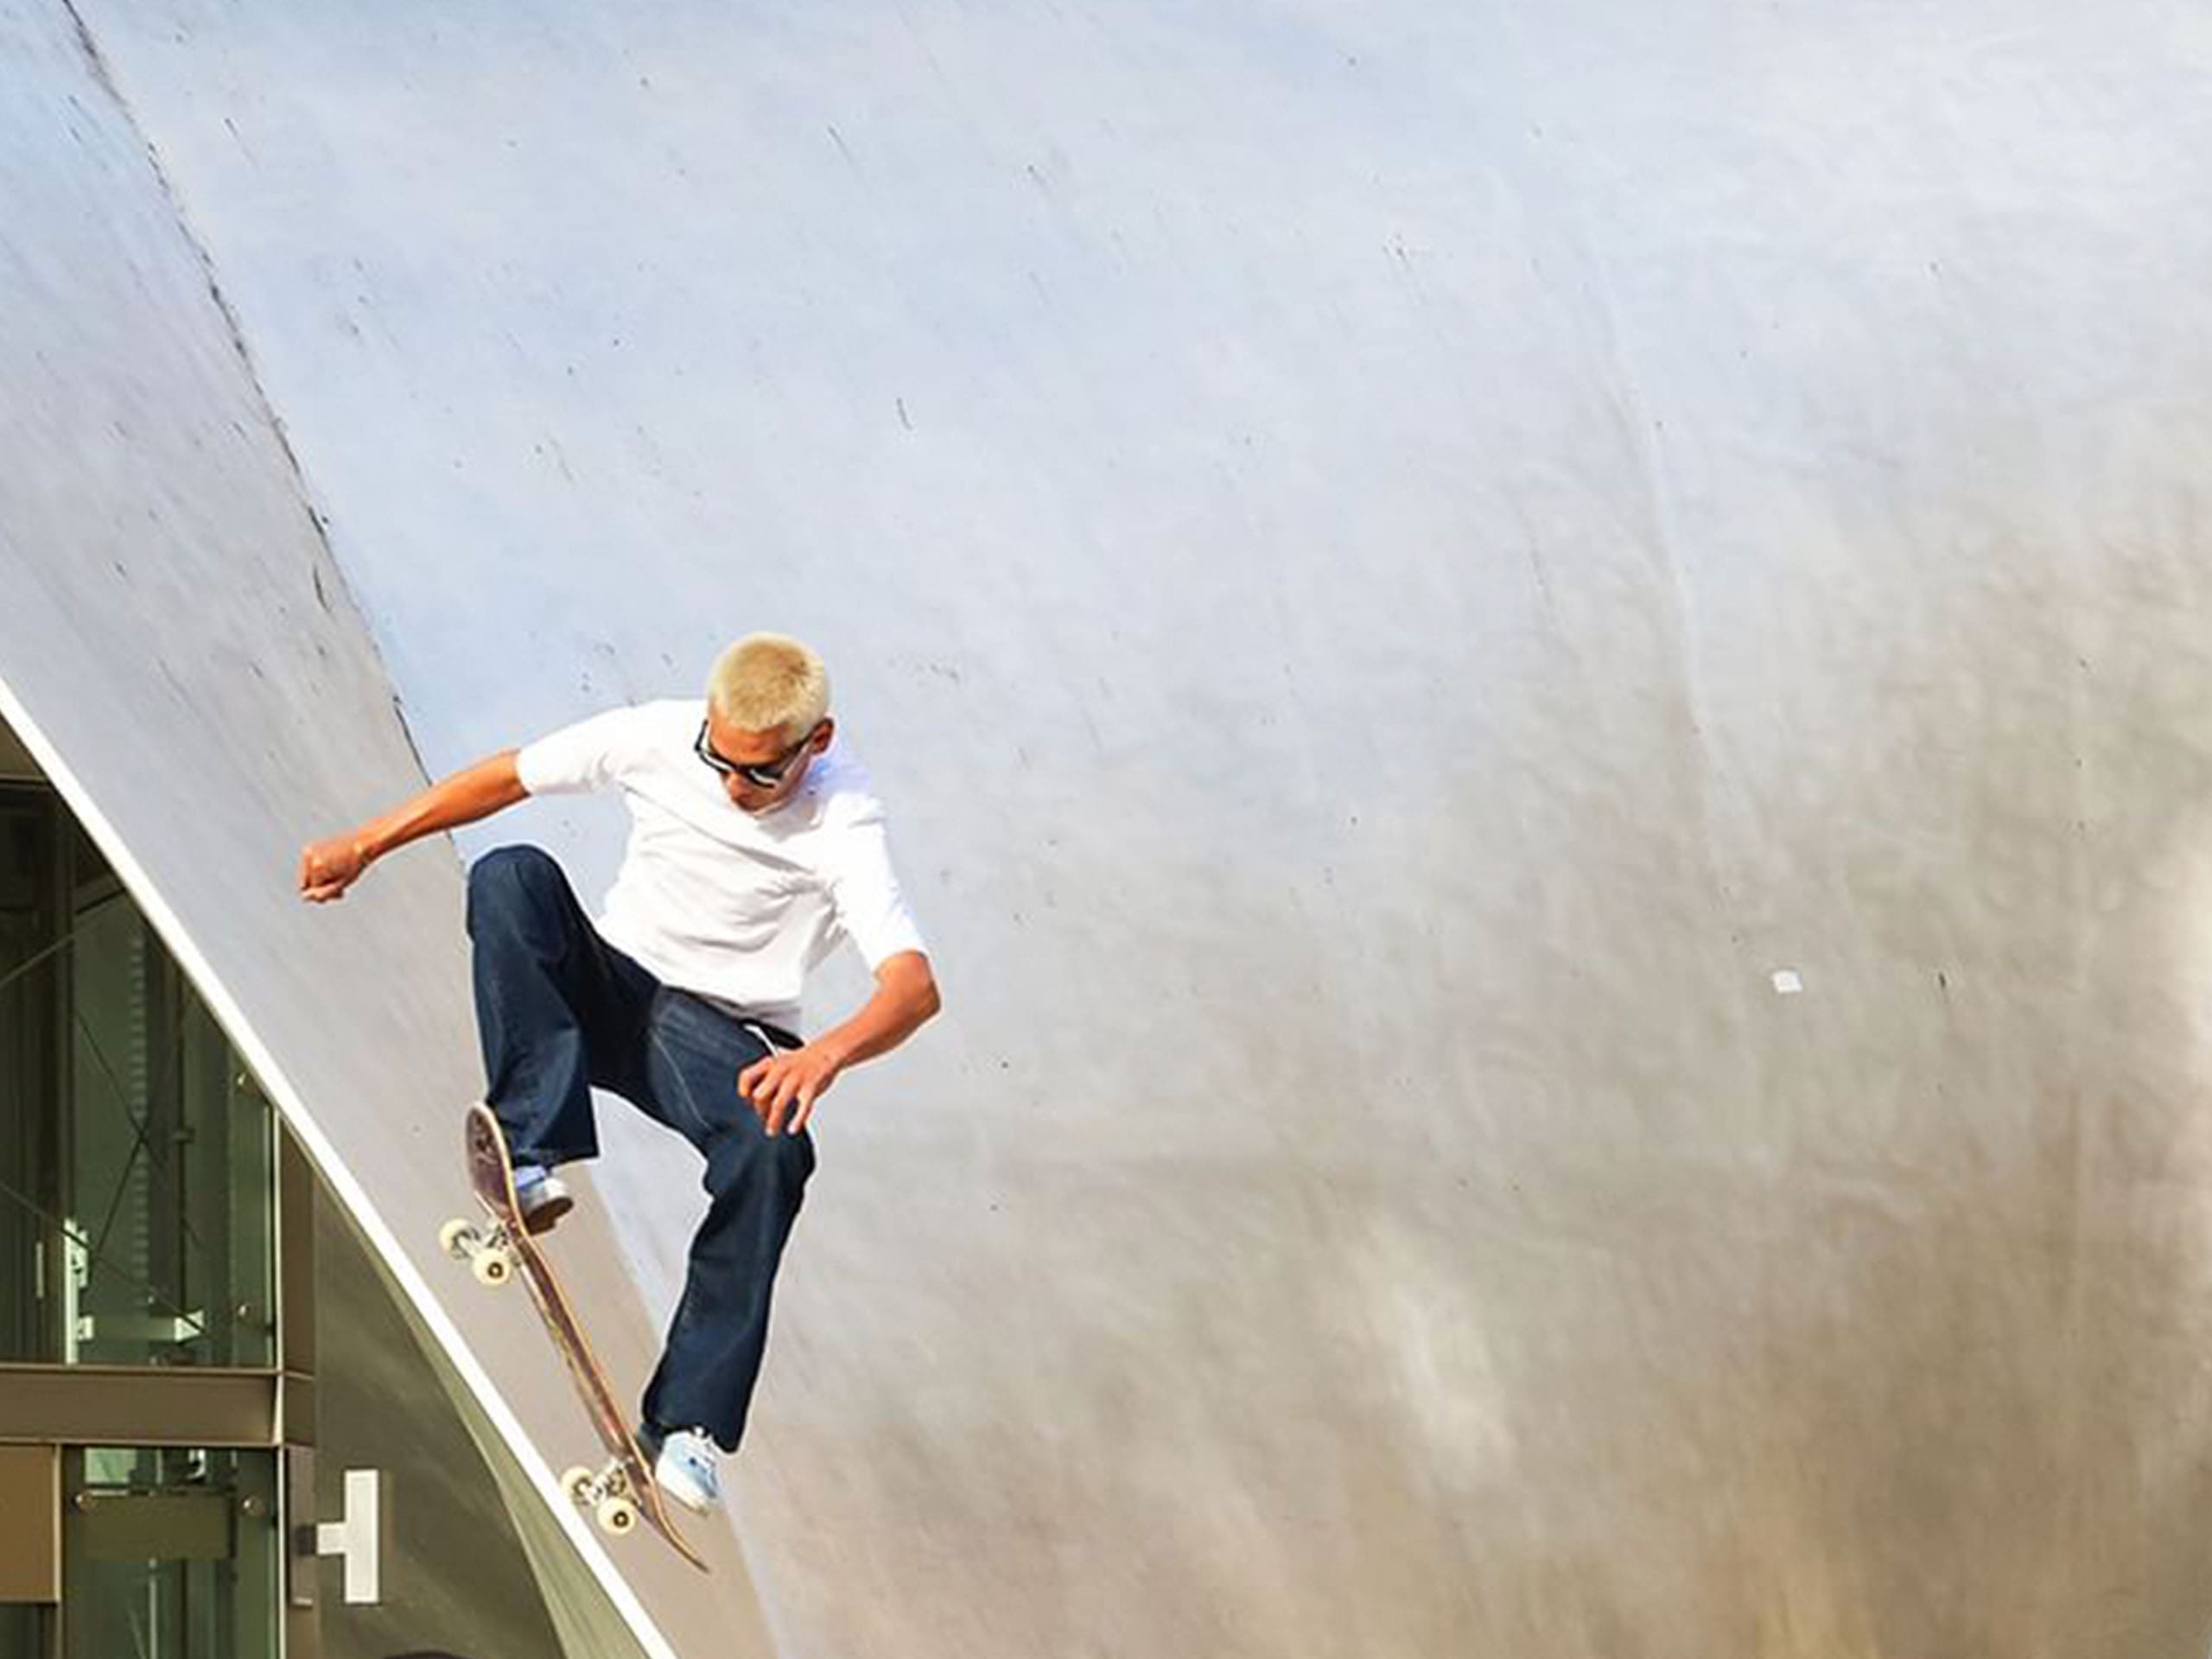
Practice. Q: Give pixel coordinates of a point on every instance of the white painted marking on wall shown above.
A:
(357, 1541)
(1788, 982)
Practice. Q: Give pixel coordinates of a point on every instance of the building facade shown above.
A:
(180, 1476)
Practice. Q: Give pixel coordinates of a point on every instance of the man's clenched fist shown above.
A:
(329, 867)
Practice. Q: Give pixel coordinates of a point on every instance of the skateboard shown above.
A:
(500, 1250)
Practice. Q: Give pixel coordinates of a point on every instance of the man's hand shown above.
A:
(782, 1089)
(786, 1086)
(329, 867)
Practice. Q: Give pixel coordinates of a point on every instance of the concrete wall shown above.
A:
(182, 656)
(1397, 564)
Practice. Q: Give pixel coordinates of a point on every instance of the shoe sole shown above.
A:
(542, 1220)
(683, 1499)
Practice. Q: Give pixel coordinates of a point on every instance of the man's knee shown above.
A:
(768, 1163)
(509, 877)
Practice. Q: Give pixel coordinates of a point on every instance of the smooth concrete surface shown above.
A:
(1542, 671)
(181, 655)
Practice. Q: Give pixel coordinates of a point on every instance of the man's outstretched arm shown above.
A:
(783, 1088)
(329, 867)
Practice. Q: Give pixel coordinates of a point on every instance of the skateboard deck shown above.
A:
(623, 1492)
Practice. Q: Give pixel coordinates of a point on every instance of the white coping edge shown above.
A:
(350, 1191)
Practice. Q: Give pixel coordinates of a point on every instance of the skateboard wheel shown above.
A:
(617, 1515)
(492, 1268)
(576, 1483)
(454, 1239)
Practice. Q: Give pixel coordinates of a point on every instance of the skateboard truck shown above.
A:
(607, 1494)
(488, 1251)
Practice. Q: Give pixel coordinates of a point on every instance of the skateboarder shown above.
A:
(756, 845)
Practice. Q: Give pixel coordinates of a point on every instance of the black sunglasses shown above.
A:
(768, 775)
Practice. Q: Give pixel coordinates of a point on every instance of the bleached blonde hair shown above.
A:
(770, 682)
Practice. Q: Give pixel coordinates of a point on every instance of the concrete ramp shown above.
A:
(1542, 671)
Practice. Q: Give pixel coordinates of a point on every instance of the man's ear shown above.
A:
(823, 733)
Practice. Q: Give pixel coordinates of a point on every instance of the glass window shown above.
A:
(30, 1072)
(23, 1632)
(170, 1554)
(137, 1158)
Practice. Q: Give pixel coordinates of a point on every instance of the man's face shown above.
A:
(734, 746)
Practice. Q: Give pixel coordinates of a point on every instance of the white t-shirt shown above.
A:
(710, 899)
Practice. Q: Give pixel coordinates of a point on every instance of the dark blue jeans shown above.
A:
(559, 1011)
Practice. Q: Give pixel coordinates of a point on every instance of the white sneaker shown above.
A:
(685, 1470)
(544, 1196)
